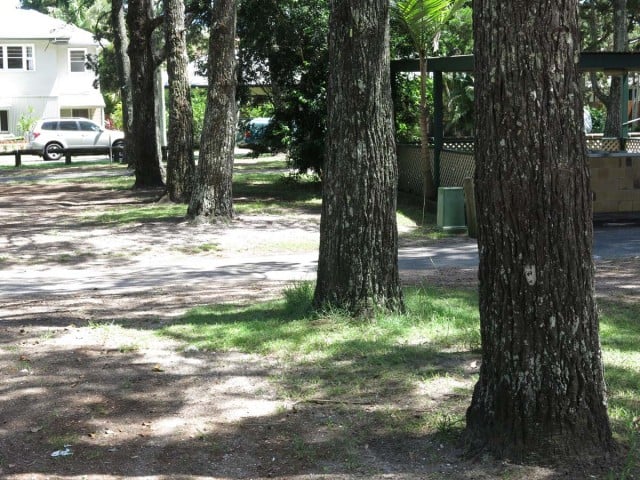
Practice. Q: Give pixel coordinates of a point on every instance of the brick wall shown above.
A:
(615, 182)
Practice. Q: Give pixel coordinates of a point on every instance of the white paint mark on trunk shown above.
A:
(530, 274)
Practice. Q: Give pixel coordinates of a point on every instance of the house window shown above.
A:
(4, 121)
(77, 60)
(74, 112)
(17, 57)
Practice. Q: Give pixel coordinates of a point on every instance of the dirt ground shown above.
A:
(84, 368)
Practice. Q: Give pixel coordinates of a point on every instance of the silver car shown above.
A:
(51, 135)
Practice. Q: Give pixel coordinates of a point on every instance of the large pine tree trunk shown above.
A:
(358, 262)
(212, 193)
(180, 161)
(144, 142)
(541, 389)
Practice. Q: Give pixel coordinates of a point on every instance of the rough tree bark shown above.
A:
(144, 142)
(541, 389)
(212, 193)
(180, 161)
(121, 44)
(358, 262)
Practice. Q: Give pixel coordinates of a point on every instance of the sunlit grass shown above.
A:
(199, 249)
(288, 327)
(139, 213)
(330, 355)
(116, 182)
(620, 338)
(259, 164)
(265, 193)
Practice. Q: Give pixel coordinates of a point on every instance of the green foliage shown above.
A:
(253, 110)
(598, 117)
(106, 72)
(422, 19)
(457, 37)
(459, 110)
(91, 15)
(407, 108)
(26, 121)
(116, 116)
(283, 46)
(198, 107)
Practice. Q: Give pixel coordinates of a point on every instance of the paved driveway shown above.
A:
(611, 241)
(153, 270)
(148, 272)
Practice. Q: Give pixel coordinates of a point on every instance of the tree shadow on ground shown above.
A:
(86, 368)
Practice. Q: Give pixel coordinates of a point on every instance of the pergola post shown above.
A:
(624, 105)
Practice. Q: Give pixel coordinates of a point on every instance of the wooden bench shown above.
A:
(67, 152)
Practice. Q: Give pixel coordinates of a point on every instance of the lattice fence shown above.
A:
(455, 167)
(633, 145)
(457, 161)
(604, 144)
(410, 177)
(458, 144)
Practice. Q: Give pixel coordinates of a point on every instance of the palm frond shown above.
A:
(424, 18)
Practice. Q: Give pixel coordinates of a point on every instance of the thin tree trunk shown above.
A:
(121, 44)
(358, 262)
(613, 123)
(429, 191)
(180, 161)
(212, 196)
(144, 142)
(541, 389)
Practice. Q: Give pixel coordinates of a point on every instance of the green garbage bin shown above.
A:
(450, 214)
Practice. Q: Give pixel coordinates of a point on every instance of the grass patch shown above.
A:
(332, 355)
(393, 358)
(198, 249)
(288, 327)
(119, 182)
(258, 164)
(58, 164)
(268, 193)
(419, 223)
(139, 214)
(619, 336)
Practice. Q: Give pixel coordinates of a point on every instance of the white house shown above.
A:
(42, 69)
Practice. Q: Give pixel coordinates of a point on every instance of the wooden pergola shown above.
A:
(611, 63)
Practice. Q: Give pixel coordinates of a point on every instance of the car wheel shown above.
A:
(117, 155)
(52, 151)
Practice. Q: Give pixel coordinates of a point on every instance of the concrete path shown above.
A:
(148, 272)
